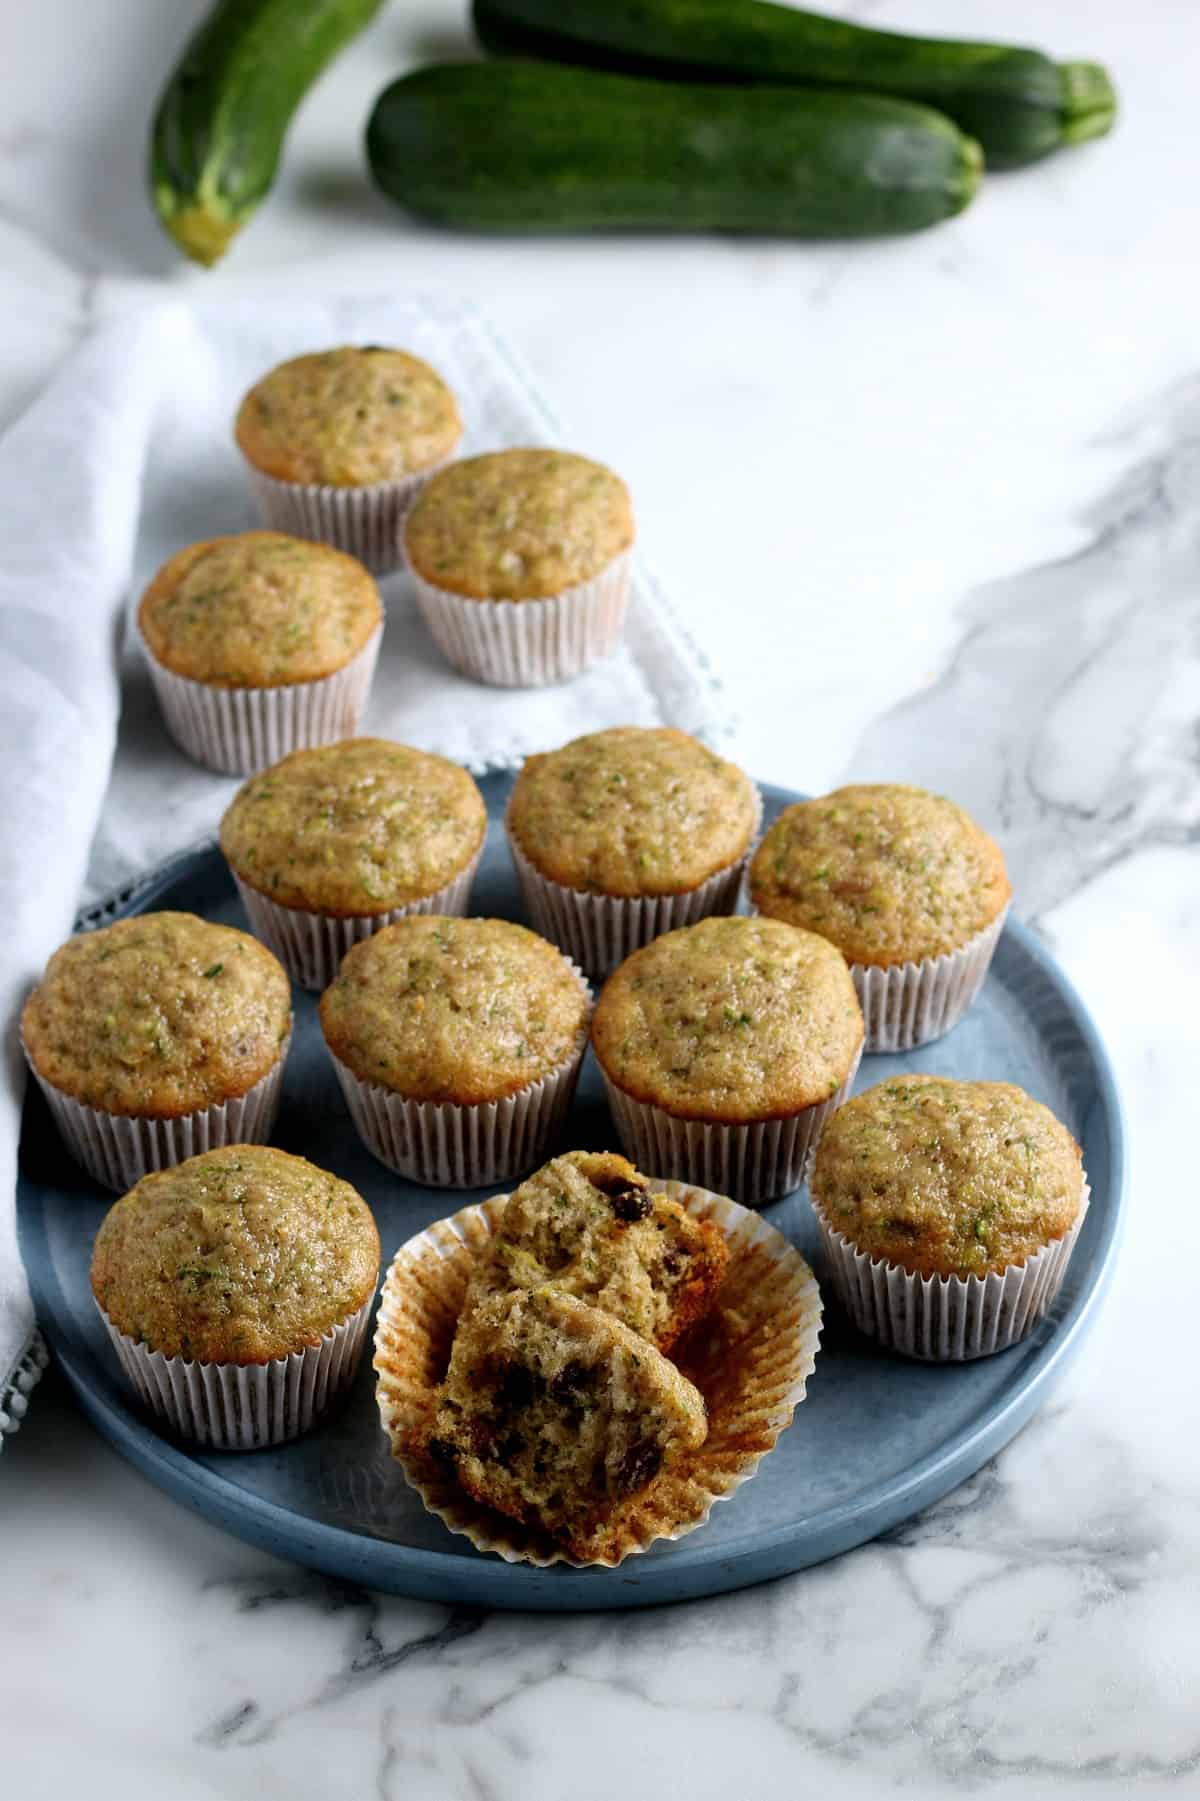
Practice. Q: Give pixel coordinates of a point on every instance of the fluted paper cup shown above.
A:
(527, 643)
(946, 1319)
(600, 930)
(239, 731)
(913, 1003)
(757, 1161)
(367, 522)
(750, 1358)
(119, 1149)
(245, 1406)
(443, 1145)
(311, 945)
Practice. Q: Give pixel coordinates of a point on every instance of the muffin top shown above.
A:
(730, 1020)
(461, 1010)
(948, 1178)
(348, 417)
(887, 873)
(354, 828)
(518, 524)
(158, 1015)
(631, 811)
(237, 1256)
(259, 610)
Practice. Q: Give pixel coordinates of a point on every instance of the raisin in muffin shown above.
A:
(937, 1196)
(590, 1225)
(624, 834)
(338, 444)
(155, 1037)
(330, 844)
(723, 1047)
(553, 1411)
(457, 1043)
(908, 887)
(521, 563)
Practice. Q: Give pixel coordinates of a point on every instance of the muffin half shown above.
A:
(330, 844)
(340, 442)
(913, 893)
(724, 1047)
(157, 1037)
(457, 1043)
(949, 1212)
(258, 645)
(521, 564)
(236, 1289)
(627, 833)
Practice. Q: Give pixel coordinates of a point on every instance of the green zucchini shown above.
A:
(220, 125)
(1019, 104)
(534, 147)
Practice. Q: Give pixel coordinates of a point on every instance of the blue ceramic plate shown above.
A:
(876, 1440)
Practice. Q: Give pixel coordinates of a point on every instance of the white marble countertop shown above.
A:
(934, 508)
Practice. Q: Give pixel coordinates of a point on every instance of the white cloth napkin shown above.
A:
(125, 457)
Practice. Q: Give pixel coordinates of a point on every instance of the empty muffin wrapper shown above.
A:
(757, 1161)
(947, 1319)
(311, 945)
(118, 1150)
(914, 1003)
(600, 930)
(366, 522)
(527, 643)
(245, 1406)
(239, 731)
(751, 1359)
(444, 1145)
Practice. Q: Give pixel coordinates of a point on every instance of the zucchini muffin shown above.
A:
(908, 887)
(627, 833)
(339, 443)
(724, 1046)
(332, 843)
(236, 1288)
(949, 1211)
(589, 1225)
(521, 563)
(457, 1043)
(552, 1412)
(259, 644)
(156, 1037)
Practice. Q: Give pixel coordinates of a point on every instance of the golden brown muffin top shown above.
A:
(355, 828)
(348, 417)
(460, 1010)
(633, 810)
(239, 1255)
(158, 1016)
(730, 1020)
(518, 524)
(948, 1178)
(889, 874)
(259, 610)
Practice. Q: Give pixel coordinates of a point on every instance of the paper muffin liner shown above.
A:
(751, 1360)
(238, 731)
(245, 1406)
(913, 1003)
(757, 1161)
(311, 945)
(119, 1149)
(366, 522)
(527, 643)
(443, 1145)
(946, 1319)
(600, 930)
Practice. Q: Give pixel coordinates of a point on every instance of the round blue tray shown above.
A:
(876, 1440)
